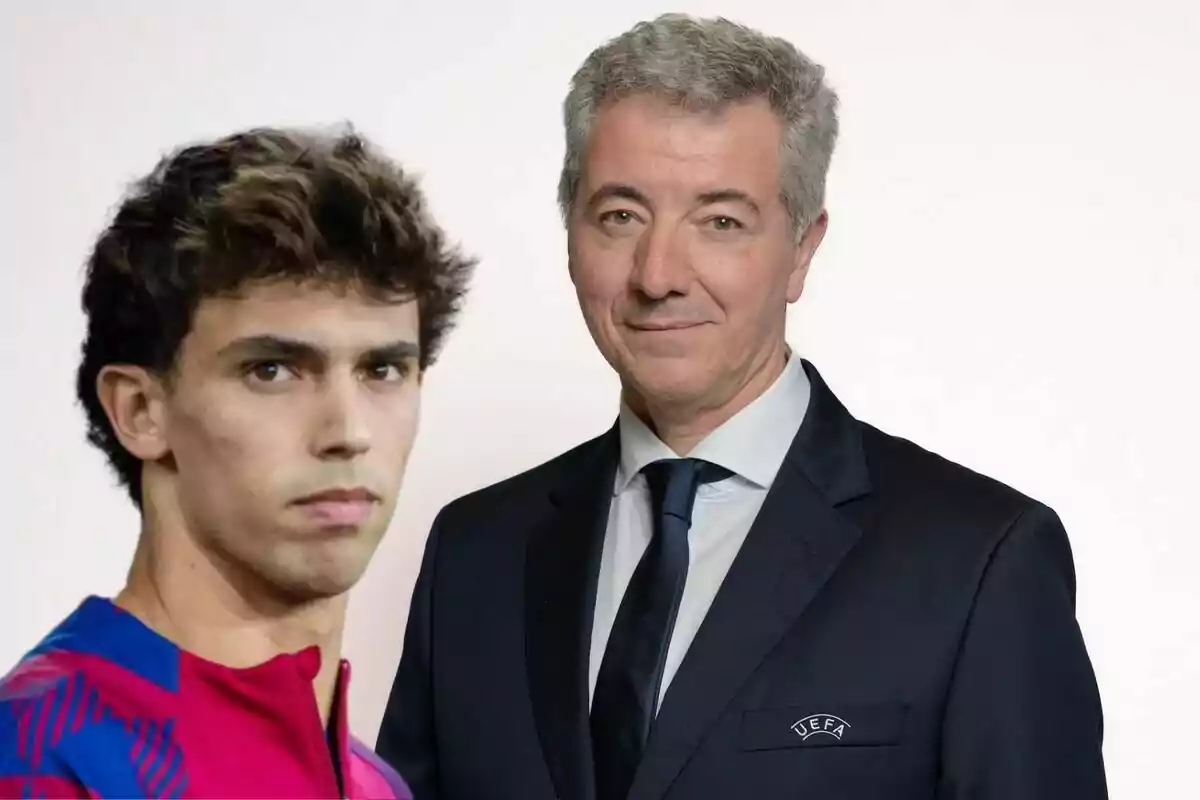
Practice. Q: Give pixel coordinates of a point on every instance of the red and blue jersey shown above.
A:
(105, 707)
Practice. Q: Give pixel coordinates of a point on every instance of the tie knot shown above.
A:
(673, 483)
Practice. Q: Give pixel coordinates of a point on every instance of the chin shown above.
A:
(667, 385)
(319, 570)
(314, 587)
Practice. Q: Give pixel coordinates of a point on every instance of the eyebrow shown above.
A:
(729, 196)
(625, 191)
(269, 346)
(621, 190)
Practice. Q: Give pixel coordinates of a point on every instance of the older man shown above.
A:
(739, 590)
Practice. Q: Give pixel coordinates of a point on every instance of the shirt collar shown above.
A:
(752, 443)
(100, 627)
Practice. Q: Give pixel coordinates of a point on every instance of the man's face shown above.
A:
(682, 253)
(289, 423)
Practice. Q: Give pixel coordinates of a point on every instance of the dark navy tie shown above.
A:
(627, 686)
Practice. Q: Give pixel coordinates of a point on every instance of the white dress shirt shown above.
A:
(752, 444)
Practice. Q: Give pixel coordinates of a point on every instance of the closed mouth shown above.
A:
(665, 326)
(357, 494)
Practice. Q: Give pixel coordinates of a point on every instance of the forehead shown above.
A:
(329, 316)
(648, 142)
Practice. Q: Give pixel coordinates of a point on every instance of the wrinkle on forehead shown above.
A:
(651, 144)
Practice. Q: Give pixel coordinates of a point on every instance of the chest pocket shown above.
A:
(823, 724)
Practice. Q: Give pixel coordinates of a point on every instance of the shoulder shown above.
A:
(371, 776)
(942, 524)
(63, 726)
(923, 502)
(902, 469)
(38, 687)
(43, 701)
(525, 490)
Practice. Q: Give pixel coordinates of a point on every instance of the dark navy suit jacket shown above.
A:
(895, 627)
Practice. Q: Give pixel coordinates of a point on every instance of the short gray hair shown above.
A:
(706, 64)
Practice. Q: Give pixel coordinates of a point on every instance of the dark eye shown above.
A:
(269, 372)
(388, 372)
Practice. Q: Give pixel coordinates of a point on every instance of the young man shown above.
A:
(260, 314)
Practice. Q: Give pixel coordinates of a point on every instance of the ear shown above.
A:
(571, 274)
(135, 402)
(572, 230)
(805, 249)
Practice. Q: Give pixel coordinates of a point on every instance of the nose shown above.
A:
(661, 267)
(343, 432)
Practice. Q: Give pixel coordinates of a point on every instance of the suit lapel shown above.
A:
(793, 547)
(562, 564)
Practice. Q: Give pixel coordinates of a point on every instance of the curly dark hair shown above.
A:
(257, 205)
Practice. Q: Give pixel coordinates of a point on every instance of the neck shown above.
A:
(681, 426)
(180, 592)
